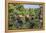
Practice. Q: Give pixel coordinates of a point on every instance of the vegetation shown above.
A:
(21, 18)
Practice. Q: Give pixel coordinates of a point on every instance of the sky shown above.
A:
(31, 6)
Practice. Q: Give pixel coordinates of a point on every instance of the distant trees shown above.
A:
(21, 18)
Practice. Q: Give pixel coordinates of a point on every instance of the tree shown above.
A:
(15, 21)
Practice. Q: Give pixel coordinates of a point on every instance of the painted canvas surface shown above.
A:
(24, 16)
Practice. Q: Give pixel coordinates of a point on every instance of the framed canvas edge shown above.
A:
(6, 15)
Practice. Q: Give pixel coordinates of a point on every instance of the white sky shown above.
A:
(31, 6)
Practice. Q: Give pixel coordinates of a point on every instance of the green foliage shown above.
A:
(18, 9)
